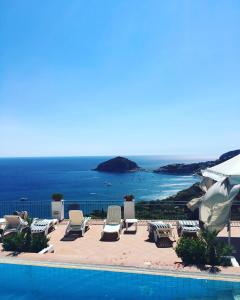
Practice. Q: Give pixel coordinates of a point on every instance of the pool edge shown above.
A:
(113, 268)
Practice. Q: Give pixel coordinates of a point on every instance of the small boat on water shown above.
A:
(23, 199)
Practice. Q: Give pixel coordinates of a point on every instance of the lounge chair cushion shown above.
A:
(110, 228)
(76, 217)
(190, 229)
(188, 223)
(13, 221)
(114, 215)
(159, 225)
(42, 225)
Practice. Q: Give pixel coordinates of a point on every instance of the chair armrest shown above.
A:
(67, 228)
(85, 221)
(23, 223)
(121, 224)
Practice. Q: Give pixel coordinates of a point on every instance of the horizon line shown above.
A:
(115, 155)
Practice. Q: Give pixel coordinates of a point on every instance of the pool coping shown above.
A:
(121, 269)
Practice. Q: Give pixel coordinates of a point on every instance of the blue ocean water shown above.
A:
(41, 283)
(38, 178)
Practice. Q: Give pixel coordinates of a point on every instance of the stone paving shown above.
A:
(132, 250)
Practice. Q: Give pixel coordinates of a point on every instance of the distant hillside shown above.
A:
(193, 168)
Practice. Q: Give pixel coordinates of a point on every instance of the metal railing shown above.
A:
(40, 209)
(145, 210)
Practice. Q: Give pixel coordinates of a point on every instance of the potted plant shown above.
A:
(57, 197)
(129, 198)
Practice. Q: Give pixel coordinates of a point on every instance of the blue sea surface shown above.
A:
(41, 283)
(38, 178)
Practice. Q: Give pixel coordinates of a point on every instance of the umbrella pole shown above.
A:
(229, 229)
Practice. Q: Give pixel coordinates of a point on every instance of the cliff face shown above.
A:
(188, 169)
(185, 169)
(117, 165)
(187, 195)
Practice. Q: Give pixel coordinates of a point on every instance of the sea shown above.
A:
(38, 178)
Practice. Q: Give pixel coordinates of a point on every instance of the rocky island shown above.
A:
(195, 168)
(117, 165)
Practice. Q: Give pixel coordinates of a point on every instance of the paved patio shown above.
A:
(133, 250)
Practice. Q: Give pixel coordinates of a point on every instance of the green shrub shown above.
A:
(204, 249)
(57, 196)
(15, 242)
(38, 242)
(191, 251)
(25, 242)
(215, 248)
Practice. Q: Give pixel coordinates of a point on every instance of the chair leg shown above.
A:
(173, 235)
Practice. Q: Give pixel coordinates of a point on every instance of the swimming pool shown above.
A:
(27, 282)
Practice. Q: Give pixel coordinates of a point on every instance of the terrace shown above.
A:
(132, 250)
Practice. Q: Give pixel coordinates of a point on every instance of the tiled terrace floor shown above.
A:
(133, 250)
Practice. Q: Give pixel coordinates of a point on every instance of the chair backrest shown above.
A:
(76, 217)
(114, 214)
(12, 221)
(23, 214)
(129, 210)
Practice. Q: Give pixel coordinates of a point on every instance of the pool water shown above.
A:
(26, 282)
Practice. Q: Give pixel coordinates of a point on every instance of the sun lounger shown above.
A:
(43, 225)
(129, 214)
(159, 229)
(23, 214)
(77, 222)
(113, 223)
(188, 227)
(14, 224)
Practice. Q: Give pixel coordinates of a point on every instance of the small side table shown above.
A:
(131, 221)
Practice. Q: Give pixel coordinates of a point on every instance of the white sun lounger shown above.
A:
(129, 214)
(14, 224)
(77, 222)
(113, 223)
(159, 229)
(187, 227)
(43, 225)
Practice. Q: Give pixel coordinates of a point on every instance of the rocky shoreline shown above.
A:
(121, 164)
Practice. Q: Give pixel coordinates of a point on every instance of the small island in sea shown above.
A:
(117, 165)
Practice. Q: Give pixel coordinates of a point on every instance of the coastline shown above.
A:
(36, 179)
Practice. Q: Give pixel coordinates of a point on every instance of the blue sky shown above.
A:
(119, 77)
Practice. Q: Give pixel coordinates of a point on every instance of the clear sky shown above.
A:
(119, 77)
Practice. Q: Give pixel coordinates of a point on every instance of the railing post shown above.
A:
(58, 210)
